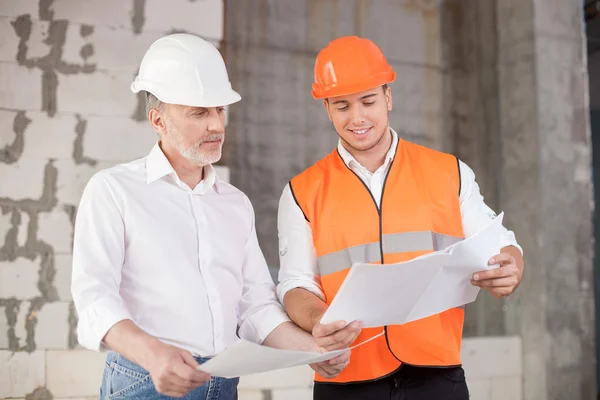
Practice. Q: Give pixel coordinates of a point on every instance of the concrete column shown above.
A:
(471, 102)
(546, 191)
(517, 106)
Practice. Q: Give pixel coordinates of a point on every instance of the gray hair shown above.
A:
(152, 102)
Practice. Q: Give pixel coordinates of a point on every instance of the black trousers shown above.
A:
(408, 383)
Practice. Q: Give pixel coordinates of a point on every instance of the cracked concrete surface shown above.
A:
(39, 394)
(32, 249)
(139, 114)
(45, 10)
(11, 153)
(52, 66)
(65, 57)
(78, 155)
(137, 19)
(52, 63)
(57, 49)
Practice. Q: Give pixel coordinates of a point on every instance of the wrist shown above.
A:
(147, 349)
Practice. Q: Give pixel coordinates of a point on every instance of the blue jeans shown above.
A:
(125, 380)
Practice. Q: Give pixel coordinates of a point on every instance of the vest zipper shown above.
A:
(380, 214)
(380, 211)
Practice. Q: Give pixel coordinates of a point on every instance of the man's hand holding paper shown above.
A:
(336, 335)
(501, 281)
(429, 284)
(332, 368)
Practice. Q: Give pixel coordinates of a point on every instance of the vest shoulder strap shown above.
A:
(305, 185)
(435, 165)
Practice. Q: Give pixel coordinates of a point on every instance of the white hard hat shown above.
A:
(185, 69)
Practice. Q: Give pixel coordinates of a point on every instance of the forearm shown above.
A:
(131, 342)
(304, 308)
(291, 337)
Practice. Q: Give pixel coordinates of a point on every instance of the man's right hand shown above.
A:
(336, 335)
(173, 371)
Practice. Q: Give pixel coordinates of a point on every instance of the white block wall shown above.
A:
(65, 112)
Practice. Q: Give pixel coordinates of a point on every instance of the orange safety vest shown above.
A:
(419, 213)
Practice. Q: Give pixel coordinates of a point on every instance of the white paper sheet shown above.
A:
(395, 294)
(246, 358)
(452, 287)
(377, 294)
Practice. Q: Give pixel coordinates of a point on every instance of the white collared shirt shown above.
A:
(297, 255)
(373, 180)
(183, 264)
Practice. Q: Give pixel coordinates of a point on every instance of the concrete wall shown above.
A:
(547, 155)
(520, 112)
(469, 28)
(279, 130)
(497, 83)
(502, 84)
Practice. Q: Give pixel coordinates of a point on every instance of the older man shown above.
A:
(166, 262)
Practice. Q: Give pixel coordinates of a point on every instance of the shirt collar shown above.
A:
(158, 166)
(211, 179)
(350, 161)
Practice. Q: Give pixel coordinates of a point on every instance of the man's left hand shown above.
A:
(500, 281)
(332, 368)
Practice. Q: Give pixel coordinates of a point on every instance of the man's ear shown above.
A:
(157, 120)
(388, 98)
(326, 104)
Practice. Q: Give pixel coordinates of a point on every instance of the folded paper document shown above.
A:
(394, 294)
(246, 358)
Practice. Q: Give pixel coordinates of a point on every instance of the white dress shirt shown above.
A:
(298, 258)
(183, 264)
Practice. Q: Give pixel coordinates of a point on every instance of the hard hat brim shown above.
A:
(221, 99)
(319, 93)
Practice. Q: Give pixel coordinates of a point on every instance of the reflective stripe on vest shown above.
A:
(392, 243)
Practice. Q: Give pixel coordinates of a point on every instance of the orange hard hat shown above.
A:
(348, 65)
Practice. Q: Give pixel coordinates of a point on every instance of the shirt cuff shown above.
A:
(97, 320)
(510, 240)
(509, 243)
(288, 285)
(259, 325)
